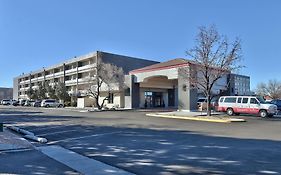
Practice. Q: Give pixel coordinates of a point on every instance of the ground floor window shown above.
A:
(110, 98)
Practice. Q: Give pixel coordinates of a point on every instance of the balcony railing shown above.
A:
(67, 72)
(87, 67)
(58, 74)
(71, 82)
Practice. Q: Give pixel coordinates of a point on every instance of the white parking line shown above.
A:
(82, 137)
(59, 132)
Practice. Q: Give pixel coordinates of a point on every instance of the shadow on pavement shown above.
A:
(152, 151)
(148, 151)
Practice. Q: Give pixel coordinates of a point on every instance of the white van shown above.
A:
(246, 105)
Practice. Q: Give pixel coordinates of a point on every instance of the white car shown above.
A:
(246, 105)
(6, 102)
(51, 103)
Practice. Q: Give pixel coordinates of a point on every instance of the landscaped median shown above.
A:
(197, 116)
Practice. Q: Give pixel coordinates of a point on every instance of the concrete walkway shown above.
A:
(80, 163)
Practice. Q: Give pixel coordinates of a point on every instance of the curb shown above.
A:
(27, 134)
(19, 130)
(197, 119)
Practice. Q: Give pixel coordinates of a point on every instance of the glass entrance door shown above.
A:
(148, 100)
(158, 99)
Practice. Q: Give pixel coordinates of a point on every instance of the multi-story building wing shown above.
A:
(74, 73)
(6, 93)
(239, 85)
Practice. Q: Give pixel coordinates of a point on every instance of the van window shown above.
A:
(254, 101)
(245, 100)
(239, 100)
(230, 99)
(221, 100)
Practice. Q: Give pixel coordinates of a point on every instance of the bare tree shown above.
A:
(51, 90)
(213, 58)
(41, 91)
(61, 92)
(108, 78)
(30, 92)
(272, 88)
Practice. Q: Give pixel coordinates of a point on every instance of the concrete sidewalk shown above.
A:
(197, 116)
(10, 141)
(18, 156)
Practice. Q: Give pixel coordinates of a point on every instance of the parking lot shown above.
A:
(147, 145)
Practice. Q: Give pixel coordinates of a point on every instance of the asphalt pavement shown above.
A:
(138, 144)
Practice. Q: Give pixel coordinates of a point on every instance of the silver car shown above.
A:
(51, 103)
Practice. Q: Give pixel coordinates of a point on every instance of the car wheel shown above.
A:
(47, 106)
(60, 106)
(230, 111)
(263, 113)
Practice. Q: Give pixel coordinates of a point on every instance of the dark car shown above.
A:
(277, 103)
(16, 103)
(37, 103)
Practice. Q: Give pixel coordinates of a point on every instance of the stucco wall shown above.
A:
(126, 62)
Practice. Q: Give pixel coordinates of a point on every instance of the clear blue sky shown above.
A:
(36, 34)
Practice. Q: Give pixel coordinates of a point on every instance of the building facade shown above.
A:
(74, 73)
(6, 93)
(239, 85)
(166, 85)
(148, 84)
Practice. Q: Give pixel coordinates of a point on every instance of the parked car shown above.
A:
(29, 103)
(51, 103)
(22, 102)
(246, 105)
(37, 103)
(16, 103)
(6, 102)
(202, 103)
(277, 103)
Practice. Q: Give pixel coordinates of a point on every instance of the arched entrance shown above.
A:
(157, 92)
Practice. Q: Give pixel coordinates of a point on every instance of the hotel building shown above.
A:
(149, 84)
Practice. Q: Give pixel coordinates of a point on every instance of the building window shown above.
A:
(127, 92)
(80, 75)
(110, 98)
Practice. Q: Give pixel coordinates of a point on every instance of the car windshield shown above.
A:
(261, 100)
(201, 100)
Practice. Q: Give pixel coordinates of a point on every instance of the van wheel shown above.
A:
(229, 111)
(263, 113)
